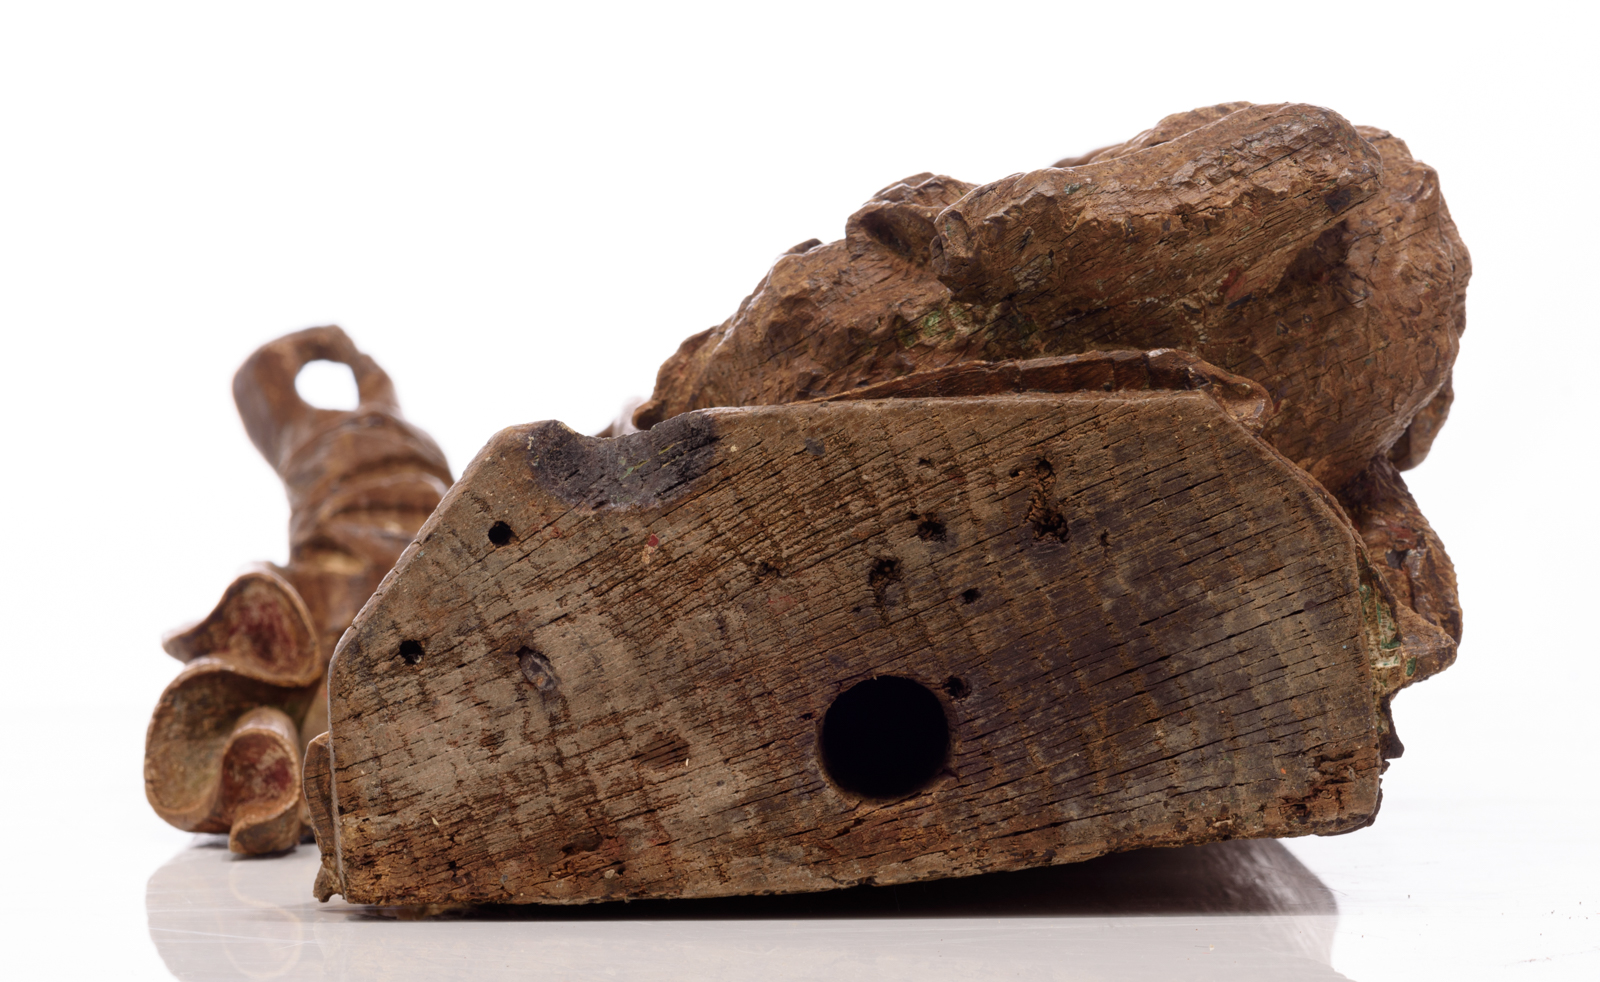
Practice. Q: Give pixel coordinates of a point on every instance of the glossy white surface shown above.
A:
(212, 919)
(1443, 894)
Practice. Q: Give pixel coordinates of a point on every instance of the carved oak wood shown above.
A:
(800, 647)
(1278, 242)
(223, 750)
(981, 575)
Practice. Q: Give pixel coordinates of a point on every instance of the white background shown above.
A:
(521, 209)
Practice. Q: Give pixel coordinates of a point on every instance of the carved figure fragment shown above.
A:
(224, 748)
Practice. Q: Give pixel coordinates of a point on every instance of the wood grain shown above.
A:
(603, 668)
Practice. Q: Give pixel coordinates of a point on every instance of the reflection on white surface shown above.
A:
(1234, 910)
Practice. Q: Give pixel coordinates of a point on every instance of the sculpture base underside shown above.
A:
(803, 647)
(620, 667)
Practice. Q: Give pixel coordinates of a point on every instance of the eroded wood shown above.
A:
(1276, 242)
(603, 669)
(1089, 475)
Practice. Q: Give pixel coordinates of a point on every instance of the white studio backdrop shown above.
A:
(520, 210)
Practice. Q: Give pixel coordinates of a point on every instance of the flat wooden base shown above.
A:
(803, 647)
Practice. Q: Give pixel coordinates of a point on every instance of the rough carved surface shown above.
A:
(223, 751)
(1276, 242)
(1404, 547)
(607, 666)
(1027, 522)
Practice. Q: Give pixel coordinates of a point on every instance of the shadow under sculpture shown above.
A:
(1238, 910)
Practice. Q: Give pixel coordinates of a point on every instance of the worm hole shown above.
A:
(500, 533)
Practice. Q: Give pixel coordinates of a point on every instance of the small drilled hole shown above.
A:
(884, 738)
(970, 596)
(500, 533)
(411, 651)
(957, 687)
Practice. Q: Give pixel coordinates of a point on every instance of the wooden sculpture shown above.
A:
(225, 744)
(1277, 242)
(937, 558)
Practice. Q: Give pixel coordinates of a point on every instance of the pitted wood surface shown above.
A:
(1277, 242)
(1144, 627)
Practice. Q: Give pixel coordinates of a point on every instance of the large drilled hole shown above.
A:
(884, 738)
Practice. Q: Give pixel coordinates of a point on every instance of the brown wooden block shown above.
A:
(801, 647)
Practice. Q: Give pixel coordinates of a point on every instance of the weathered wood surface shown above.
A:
(222, 753)
(617, 668)
(360, 482)
(1277, 242)
(223, 750)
